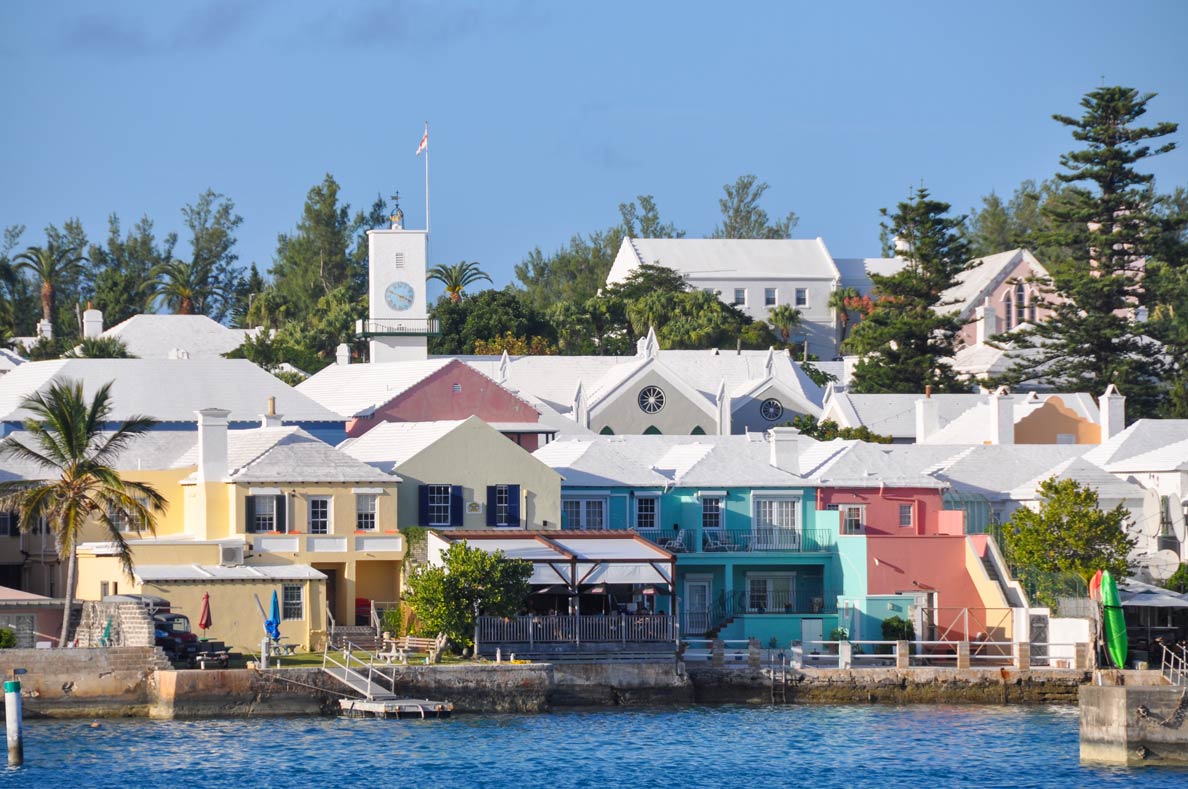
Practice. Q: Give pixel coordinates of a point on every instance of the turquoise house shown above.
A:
(755, 558)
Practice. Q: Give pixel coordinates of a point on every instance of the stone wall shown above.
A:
(1134, 724)
(86, 682)
(131, 625)
(619, 684)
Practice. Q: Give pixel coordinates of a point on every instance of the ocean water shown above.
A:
(819, 747)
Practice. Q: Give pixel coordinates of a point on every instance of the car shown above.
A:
(174, 636)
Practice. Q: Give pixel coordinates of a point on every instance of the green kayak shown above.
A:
(1115, 623)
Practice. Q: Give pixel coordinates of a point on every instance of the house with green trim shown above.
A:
(755, 556)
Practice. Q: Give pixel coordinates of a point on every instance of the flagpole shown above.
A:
(426, 179)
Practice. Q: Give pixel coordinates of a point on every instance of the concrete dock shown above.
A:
(1134, 724)
(395, 708)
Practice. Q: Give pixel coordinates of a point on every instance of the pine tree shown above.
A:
(1109, 223)
(908, 336)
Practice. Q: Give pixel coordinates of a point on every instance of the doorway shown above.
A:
(697, 606)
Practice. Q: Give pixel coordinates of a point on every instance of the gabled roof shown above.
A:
(992, 470)
(1109, 487)
(389, 444)
(621, 376)
(660, 461)
(971, 427)
(855, 272)
(981, 276)
(169, 390)
(9, 360)
(360, 389)
(857, 464)
(727, 258)
(1147, 445)
(151, 451)
(161, 336)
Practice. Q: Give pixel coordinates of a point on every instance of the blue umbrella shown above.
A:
(272, 623)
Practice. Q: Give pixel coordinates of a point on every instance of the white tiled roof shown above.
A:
(359, 389)
(169, 390)
(154, 573)
(160, 336)
(9, 360)
(286, 454)
(727, 258)
(389, 444)
(980, 277)
(858, 464)
(154, 450)
(855, 272)
(1147, 445)
(1109, 488)
(989, 469)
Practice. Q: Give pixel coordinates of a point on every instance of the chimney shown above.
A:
(927, 417)
(725, 411)
(212, 444)
(92, 323)
(785, 448)
(1002, 417)
(45, 329)
(987, 322)
(342, 354)
(1113, 413)
(270, 418)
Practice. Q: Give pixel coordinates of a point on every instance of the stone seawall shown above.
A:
(1137, 724)
(83, 683)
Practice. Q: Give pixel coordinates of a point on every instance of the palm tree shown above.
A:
(785, 318)
(81, 484)
(185, 288)
(50, 264)
(99, 348)
(837, 302)
(457, 277)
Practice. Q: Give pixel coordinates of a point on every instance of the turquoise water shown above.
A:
(818, 747)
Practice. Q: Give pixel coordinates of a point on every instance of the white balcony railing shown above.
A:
(392, 542)
(324, 544)
(282, 543)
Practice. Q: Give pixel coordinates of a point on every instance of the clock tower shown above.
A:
(399, 324)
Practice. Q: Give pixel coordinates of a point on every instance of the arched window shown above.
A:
(697, 431)
(606, 431)
(1020, 303)
(652, 431)
(1008, 311)
(1032, 307)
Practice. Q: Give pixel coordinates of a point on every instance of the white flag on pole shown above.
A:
(424, 141)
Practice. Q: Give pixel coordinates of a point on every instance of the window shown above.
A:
(263, 514)
(583, 514)
(365, 511)
(651, 399)
(1008, 311)
(853, 517)
(711, 513)
(645, 512)
(121, 520)
(439, 505)
(802, 297)
(1020, 303)
(503, 505)
(740, 297)
(769, 297)
(104, 589)
(293, 606)
(9, 525)
(457, 388)
(776, 513)
(319, 515)
(771, 593)
(1032, 308)
(771, 409)
(905, 515)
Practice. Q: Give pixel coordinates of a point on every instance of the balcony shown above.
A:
(324, 544)
(282, 543)
(743, 540)
(379, 543)
(397, 327)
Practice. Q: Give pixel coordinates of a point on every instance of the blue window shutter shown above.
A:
(513, 505)
(249, 514)
(455, 505)
(423, 505)
(491, 505)
(280, 514)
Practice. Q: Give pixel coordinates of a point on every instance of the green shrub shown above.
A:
(7, 638)
(896, 628)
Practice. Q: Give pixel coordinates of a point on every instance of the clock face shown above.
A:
(399, 296)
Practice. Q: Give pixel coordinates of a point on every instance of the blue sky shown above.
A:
(545, 116)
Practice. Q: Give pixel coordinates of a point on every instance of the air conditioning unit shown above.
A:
(230, 555)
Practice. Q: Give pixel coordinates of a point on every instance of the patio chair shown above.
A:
(717, 541)
(675, 543)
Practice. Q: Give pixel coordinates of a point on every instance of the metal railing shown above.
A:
(362, 679)
(1174, 664)
(747, 540)
(584, 629)
(387, 327)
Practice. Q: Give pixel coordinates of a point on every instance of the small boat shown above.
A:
(1115, 622)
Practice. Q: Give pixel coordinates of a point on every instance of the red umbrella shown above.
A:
(204, 620)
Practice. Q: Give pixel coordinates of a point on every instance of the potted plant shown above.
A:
(837, 634)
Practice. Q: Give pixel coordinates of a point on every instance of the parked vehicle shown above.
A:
(174, 635)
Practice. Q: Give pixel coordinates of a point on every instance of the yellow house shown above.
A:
(256, 511)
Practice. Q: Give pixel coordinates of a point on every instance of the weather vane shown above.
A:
(397, 215)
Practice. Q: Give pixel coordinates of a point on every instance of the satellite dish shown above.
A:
(1161, 564)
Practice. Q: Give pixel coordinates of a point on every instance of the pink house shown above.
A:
(434, 390)
(897, 512)
(996, 294)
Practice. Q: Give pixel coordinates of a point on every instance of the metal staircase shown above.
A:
(361, 676)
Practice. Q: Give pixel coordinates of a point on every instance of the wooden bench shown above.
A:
(400, 648)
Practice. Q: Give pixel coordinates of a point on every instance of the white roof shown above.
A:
(858, 464)
(1147, 445)
(169, 390)
(9, 360)
(390, 444)
(1109, 488)
(727, 258)
(161, 336)
(359, 389)
(154, 450)
(855, 272)
(992, 470)
(155, 573)
(287, 454)
(981, 276)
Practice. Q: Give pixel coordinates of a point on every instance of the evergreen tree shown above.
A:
(212, 222)
(1111, 229)
(907, 338)
(743, 218)
(122, 267)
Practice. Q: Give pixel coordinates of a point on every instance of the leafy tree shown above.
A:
(192, 288)
(785, 318)
(212, 222)
(896, 628)
(1019, 222)
(907, 338)
(457, 277)
(808, 425)
(644, 221)
(515, 346)
(1111, 227)
(123, 266)
(487, 314)
(743, 218)
(82, 485)
(470, 583)
(1069, 534)
(1179, 580)
(844, 302)
(50, 265)
(99, 348)
(309, 345)
(11, 292)
(646, 280)
(246, 290)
